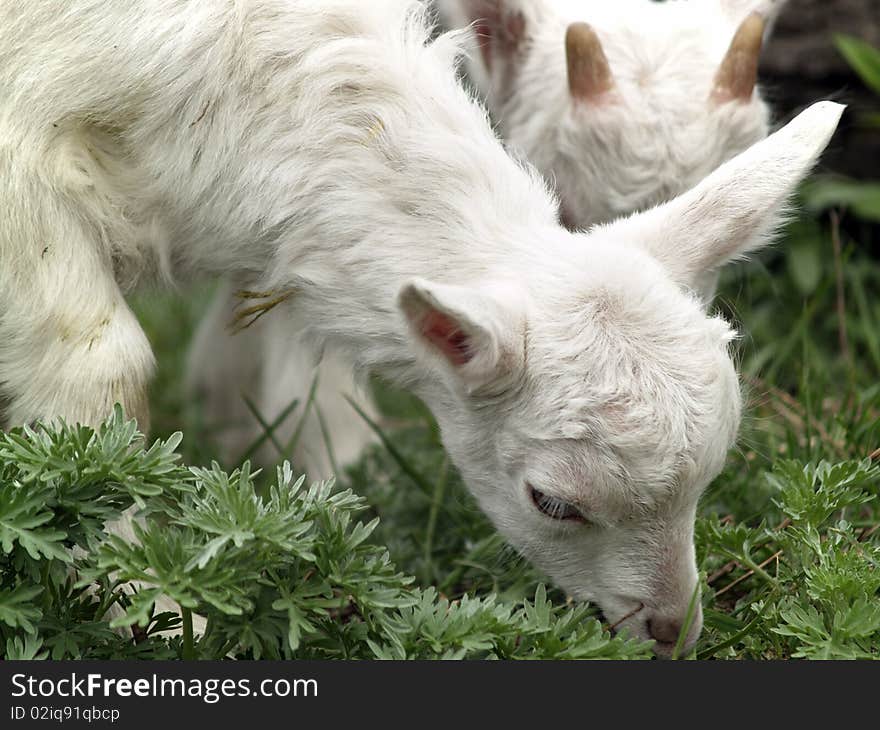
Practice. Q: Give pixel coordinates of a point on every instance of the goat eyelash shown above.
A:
(554, 508)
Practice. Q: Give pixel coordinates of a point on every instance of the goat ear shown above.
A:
(473, 335)
(501, 28)
(736, 209)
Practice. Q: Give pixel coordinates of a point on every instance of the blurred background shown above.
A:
(802, 63)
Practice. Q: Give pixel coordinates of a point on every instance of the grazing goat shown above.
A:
(326, 150)
(622, 105)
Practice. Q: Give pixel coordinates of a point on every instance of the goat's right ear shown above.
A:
(736, 209)
(469, 333)
(501, 28)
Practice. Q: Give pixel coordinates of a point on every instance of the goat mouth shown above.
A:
(613, 627)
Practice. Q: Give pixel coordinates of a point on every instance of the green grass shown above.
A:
(786, 537)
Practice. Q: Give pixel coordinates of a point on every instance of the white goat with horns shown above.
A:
(326, 149)
(622, 104)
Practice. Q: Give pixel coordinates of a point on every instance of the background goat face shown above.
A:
(589, 400)
(622, 105)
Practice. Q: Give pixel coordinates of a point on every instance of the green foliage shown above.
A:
(817, 594)
(433, 629)
(293, 573)
(862, 198)
(863, 57)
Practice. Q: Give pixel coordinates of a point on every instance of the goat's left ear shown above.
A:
(736, 209)
(471, 334)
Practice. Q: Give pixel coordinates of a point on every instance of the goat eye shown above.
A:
(555, 508)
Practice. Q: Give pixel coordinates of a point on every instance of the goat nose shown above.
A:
(664, 630)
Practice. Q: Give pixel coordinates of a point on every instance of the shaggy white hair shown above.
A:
(656, 131)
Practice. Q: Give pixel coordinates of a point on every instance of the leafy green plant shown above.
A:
(862, 198)
(813, 580)
(862, 57)
(288, 574)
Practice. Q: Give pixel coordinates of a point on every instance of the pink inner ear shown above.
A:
(443, 332)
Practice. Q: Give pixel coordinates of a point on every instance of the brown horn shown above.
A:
(738, 74)
(589, 74)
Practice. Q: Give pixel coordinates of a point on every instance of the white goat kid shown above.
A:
(622, 105)
(327, 149)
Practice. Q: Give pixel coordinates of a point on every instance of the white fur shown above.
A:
(327, 149)
(657, 134)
